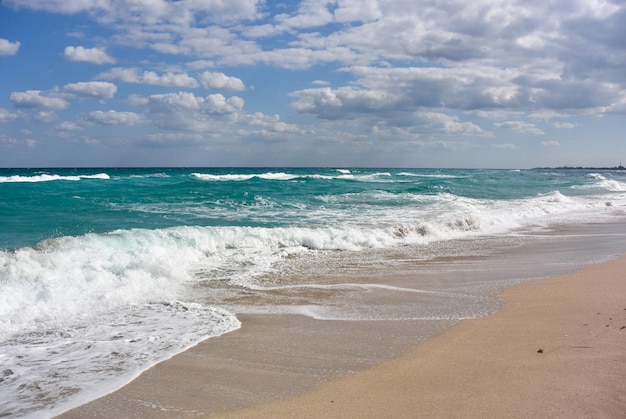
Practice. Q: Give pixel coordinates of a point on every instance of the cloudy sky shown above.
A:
(404, 83)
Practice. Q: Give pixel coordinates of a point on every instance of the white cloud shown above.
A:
(413, 70)
(186, 111)
(87, 55)
(520, 126)
(114, 118)
(217, 104)
(546, 115)
(311, 13)
(96, 89)
(37, 99)
(8, 48)
(56, 98)
(6, 116)
(133, 75)
(148, 12)
(214, 80)
(55, 6)
(174, 139)
(357, 10)
(68, 126)
(273, 123)
(552, 143)
(564, 125)
(126, 75)
(174, 102)
(214, 104)
(6, 140)
(439, 122)
(340, 103)
(137, 100)
(168, 79)
(507, 146)
(407, 89)
(213, 115)
(45, 116)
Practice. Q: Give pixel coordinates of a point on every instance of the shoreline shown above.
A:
(484, 367)
(554, 350)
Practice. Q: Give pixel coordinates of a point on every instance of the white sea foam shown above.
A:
(281, 176)
(233, 177)
(422, 218)
(243, 177)
(430, 175)
(80, 316)
(49, 178)
(48, 372)
(602, 182)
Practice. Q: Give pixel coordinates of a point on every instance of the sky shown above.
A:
(333, 83)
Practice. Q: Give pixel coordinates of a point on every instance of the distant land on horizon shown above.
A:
(620, 167)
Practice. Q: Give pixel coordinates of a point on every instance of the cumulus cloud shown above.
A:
(137, 100)
(211, 80)
(68, 126)
(440, 122)
(6, 116)
(564, 125)
(552, 143)
(45, 116)
(87, 55)
(520, 126)
(57, 98)
(174, 102)
(214, 104)
(37, 99)
(55, 6)
(186, 111)
(168, 79)
(133, 75)
(272, 123)
(113, 117)
(8, 48)
(7, 141)
(507, 146)
(148, 12)
(95, 89)
(477, 55)
(174, 139)
(404, 89)
(357, 10)
(419, 70)
(214, 114)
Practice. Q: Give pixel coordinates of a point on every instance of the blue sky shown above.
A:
(405, 83)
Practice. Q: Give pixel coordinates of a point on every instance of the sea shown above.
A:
(105, 272)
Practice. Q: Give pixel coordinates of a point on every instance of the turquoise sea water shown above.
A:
(104, 272)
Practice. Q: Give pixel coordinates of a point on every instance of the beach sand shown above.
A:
(557, 349)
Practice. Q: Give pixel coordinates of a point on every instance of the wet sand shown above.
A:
(556, 349)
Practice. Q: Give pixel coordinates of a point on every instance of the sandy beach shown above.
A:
(556, 349)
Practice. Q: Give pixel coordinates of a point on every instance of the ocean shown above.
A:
(105, 272)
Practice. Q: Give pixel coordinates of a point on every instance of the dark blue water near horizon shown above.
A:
(37, 204)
